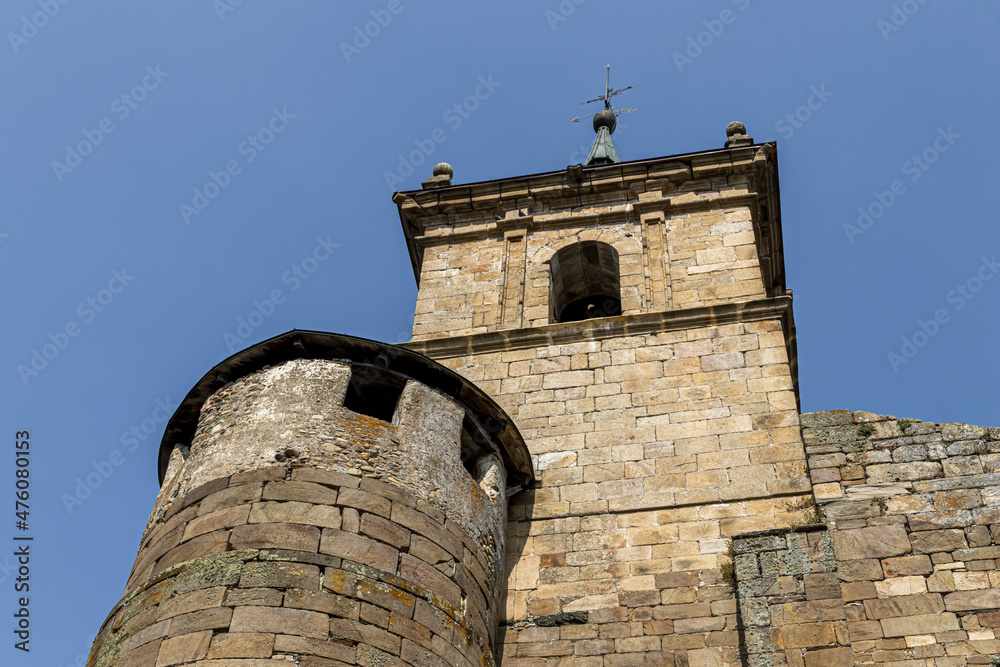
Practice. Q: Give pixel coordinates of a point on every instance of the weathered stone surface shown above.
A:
(881, 473)
(902, 626)
(241, 645)
(830, 657)
(931, 541)
(901, 586)
(907, 565)
(184, 648)
(804, 635)
(275, 536)
(280, 621)
(910, 605)
(874, 542)
(972, 600)
(868, 569)
(360, 549)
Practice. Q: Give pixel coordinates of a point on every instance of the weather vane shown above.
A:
(606, 98)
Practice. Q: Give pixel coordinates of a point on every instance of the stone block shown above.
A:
(864, 630)
(384, 530)
(881, 473)
(207, 619)
(368, 502)
(205, 598)
(873, 542)
(902, 626)
(860, 590)
(910, 605)
(279, 574)
(942, 581)
(931, 541)
(243, 494)
(327, 477)
(224, 518)
(184, 648)
(310, 647)
(868, 569)
(803, 635)
(327, 603)
(830, 657)
(280, 620)
(275, 536)
(807, 612)
(901, 586)
(987, 599)
(359, 549)
(907, 565)
(241, 645)
(822, 586)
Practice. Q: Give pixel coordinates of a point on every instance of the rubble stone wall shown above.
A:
(913, 510)
(791, 611)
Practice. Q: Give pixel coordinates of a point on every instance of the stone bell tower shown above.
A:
(632, 319)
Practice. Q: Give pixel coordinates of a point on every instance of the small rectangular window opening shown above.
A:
(373, 392)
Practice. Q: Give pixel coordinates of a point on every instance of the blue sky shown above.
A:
(283, 128)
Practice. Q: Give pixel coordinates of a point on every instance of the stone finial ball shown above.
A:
(605, 118)
(443, 169)
(736, 127)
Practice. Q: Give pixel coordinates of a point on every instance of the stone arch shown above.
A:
(547, 270)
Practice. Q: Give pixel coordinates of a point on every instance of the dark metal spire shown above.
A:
(605, 120)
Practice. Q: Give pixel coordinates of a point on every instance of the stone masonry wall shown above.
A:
(651, 450)
(913, 510)
(791, 611)
(292, 528)
(313, 566)
(657, 434)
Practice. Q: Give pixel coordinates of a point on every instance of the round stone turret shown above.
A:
(324, 498)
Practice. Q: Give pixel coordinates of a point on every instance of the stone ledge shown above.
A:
(610, 327)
